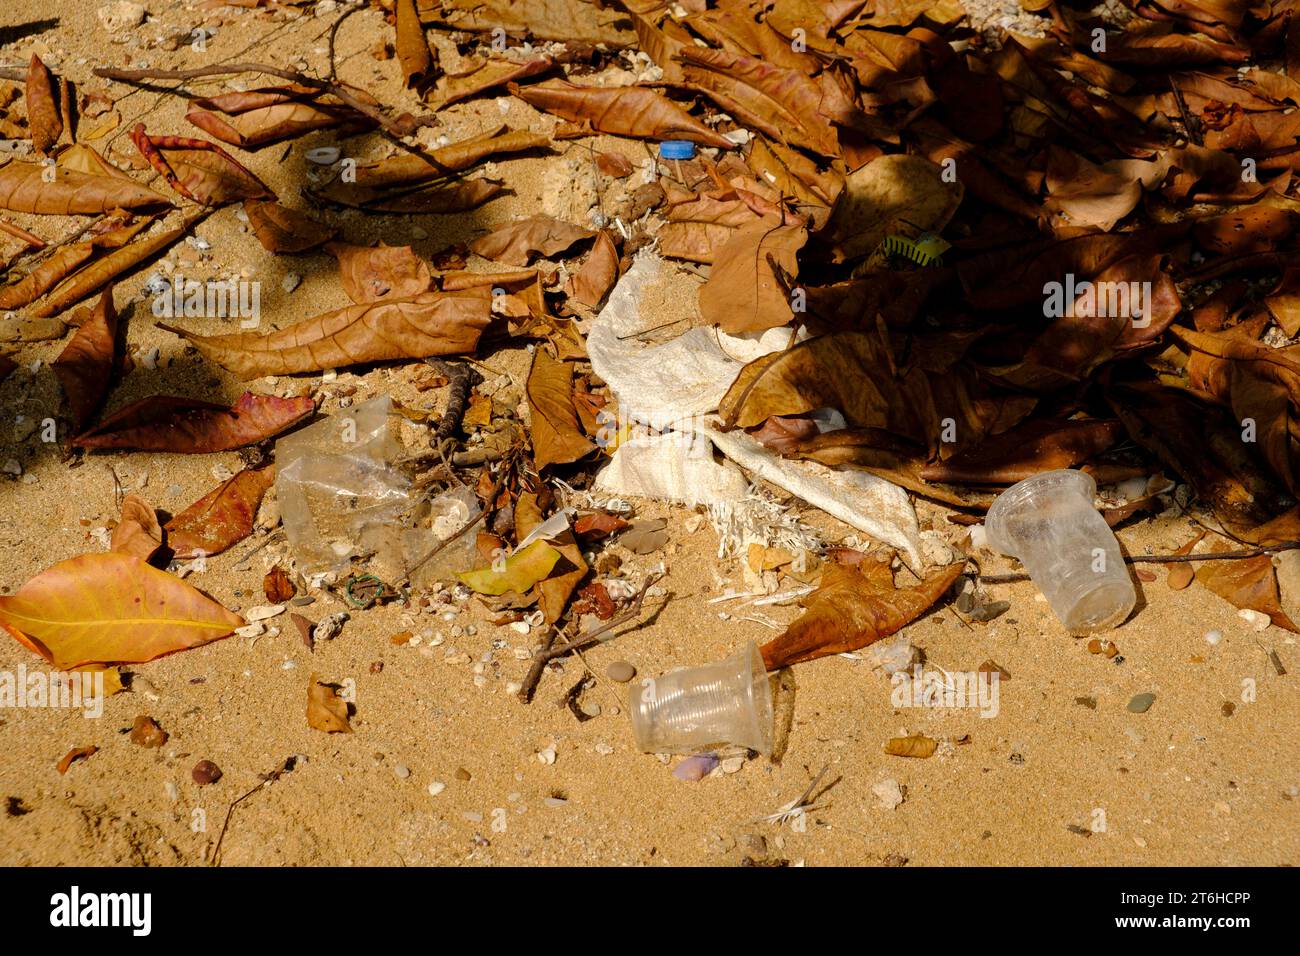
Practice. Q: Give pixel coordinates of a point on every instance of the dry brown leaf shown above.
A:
(326, 710)
(222, 517)
(598, 274)
(199, 170)
(408, 168)
(89, 279)
(1247, 583)
(280, 229)
(23, 188)
(854, 607)
(86, 364)
(138, 532)
(413, 51)
(896, 194)
(433, 323)
(43, 115)
(183, 426)
(63, 262)
(488, 75)
(557, 437)
(573, 21)
(277, 586)
(621, 111)
(743, 293)
(371, 273)
(518, 243)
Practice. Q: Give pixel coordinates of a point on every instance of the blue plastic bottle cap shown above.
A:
(677, 149)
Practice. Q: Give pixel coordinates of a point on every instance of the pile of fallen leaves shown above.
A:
(941, 221)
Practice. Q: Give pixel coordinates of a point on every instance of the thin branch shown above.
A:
(337, 89)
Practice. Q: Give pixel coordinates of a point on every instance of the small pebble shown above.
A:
(402, 771)
(1213, 637)
(205, 772)
(1141, 703)
(620, 671)
(436, 788)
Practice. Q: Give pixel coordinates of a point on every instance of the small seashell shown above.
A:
(695, 768)
(263, 611)
(323, 155)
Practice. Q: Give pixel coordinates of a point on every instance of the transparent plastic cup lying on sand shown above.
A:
(1049, 523)
(691, 709)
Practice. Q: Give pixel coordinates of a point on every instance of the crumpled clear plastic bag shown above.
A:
(336, 484)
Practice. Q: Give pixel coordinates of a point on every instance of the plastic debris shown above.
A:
(688, 710)
(335, 482)
(677, 149)
(676, 384)
(1049, 523)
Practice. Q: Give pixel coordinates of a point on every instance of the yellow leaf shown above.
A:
(111, 608)
(517, 573)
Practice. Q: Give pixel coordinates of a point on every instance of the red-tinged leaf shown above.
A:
(43, 116)
(86, 364)
(370, 273)
(623, 111)
(111, 609)
(854, 607)
(598, 525)
(222, 517)
(184, 426)
(280, 229)
(199, 170)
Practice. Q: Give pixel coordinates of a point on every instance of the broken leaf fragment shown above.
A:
(326, 710)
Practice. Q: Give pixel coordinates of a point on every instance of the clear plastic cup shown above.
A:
(1049, 523)
(694, 708)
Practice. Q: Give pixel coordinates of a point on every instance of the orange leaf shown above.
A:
(854, 607)
(111, 608)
